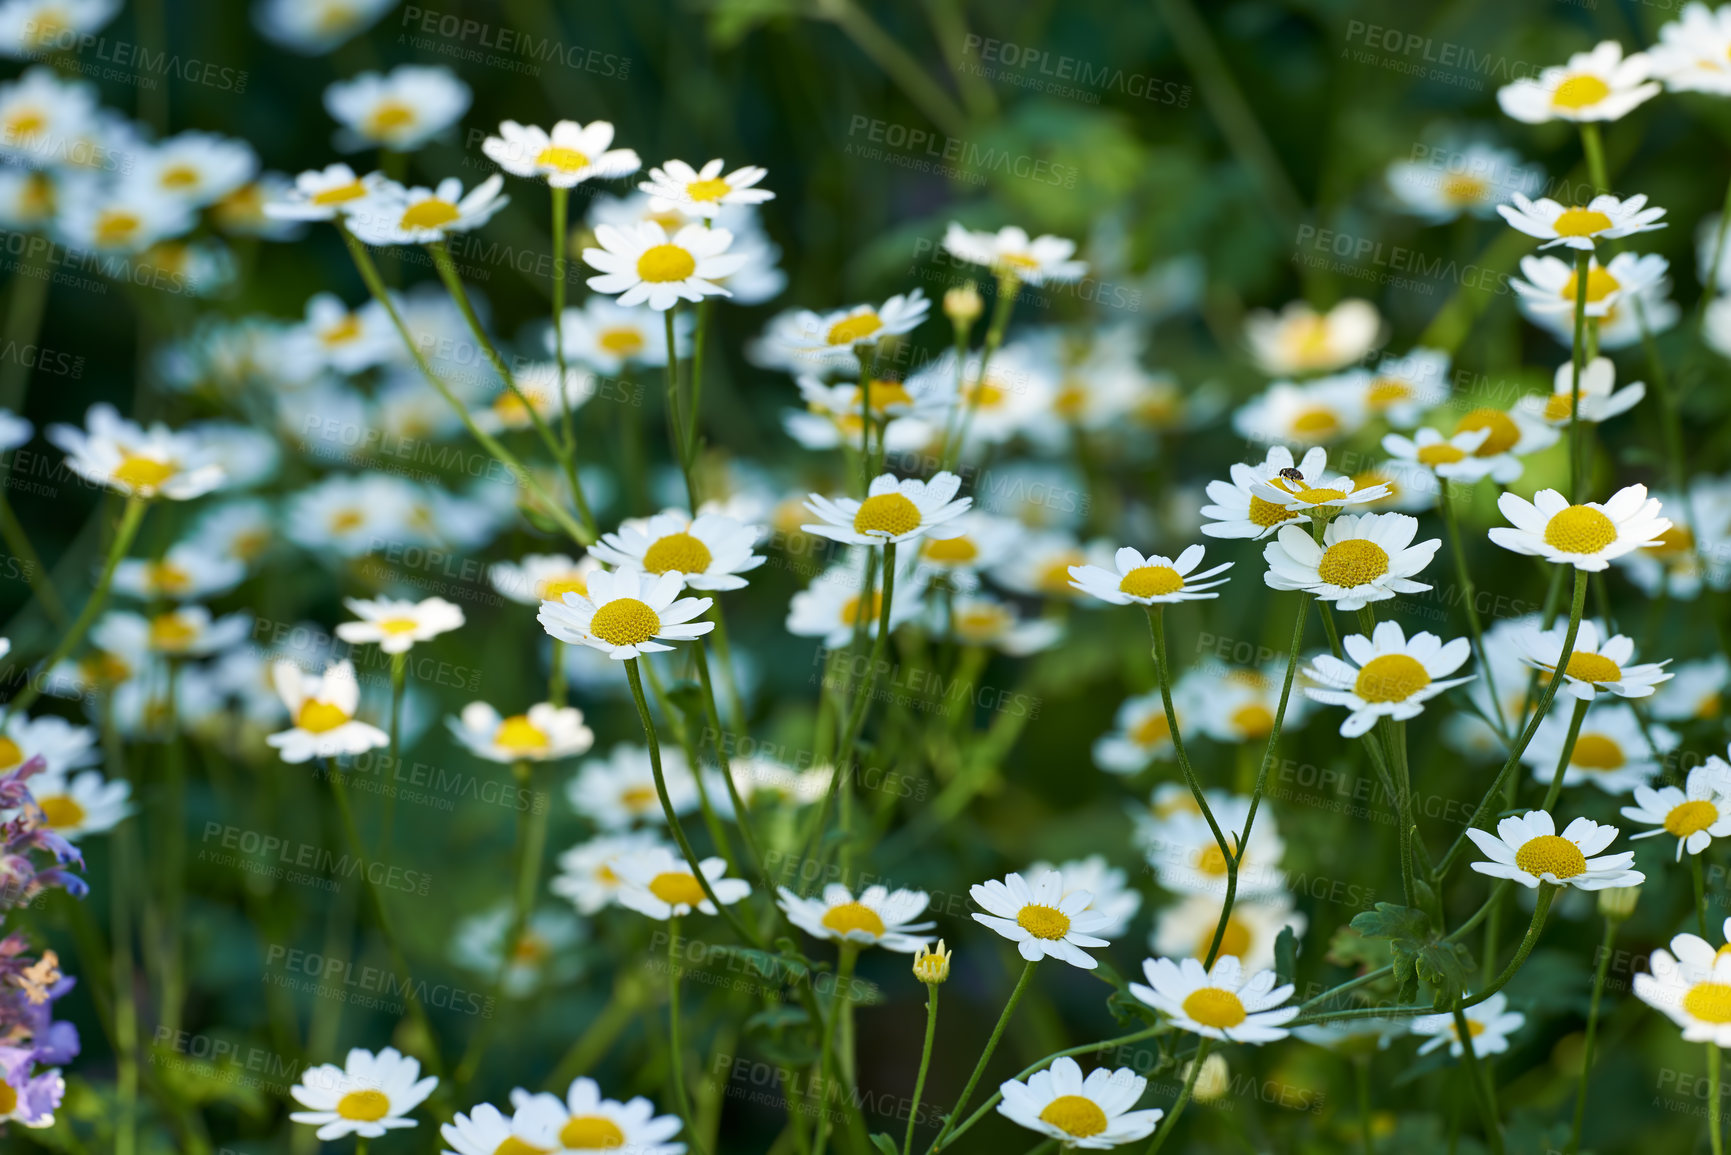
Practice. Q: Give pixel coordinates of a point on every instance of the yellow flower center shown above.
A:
(1600, 284)
(1461, 189)
(60, 812)
(855, 328)
(1074, 1115)
(1593, 668)
(341, 194)
(1151, 729)
(1385, 391)
(517, 733)
(1560, 406)
(677, 552)
(712, 189)
(1504, 433)
(1307, 339)
(1709, 1002)
(1252, 721)
(171, 633)
(515, 1146)
(563, 159)
(344, 520)
(1210, 859)
(1213, 1007)
(625, 622)
(887, 513)
(621, 341)
(8, 1099)
(431, 213)
(117, 227)
(318, 717)
(388, 117)
(849, 613)
(1672, 542)
(952, 550)
(1055, 576)
(1691, 817)
(1265, 513)
(1551, 854)
(555, 589)
(1580, 91)
(982, 624)
(1151, 581)
(677, 888)
(664, 263)
(367, 1106)
(1315, 423)
(25, 123)
(1597, 752)
(143, 473)
(10, 753)
(1580, 529)
(854, 916)
(1044, 922)
(1391, 678)
(1351, 563)
(1442, 453)
(1580, 223)
(591, 1133)
(394, 626)
(1235, 942)
(638, 799)
(880, 395)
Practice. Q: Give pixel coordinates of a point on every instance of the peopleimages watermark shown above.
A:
(1055, 74)
(924, 150)
(477, 42)
(126, 62)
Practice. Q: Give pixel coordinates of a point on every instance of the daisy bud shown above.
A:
(963, 305)
(932, 966)
(1212, 1081)
(1618, 902)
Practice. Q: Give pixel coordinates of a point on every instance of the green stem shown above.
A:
(1700, 894)
(1575, 719)
(1483, 1090)
(696, 407)
(19, 543)
(1578, 360)
(1361, 1081)
(741, 817)
(1592, 1029)
(1547, 892)
(675, 422)
(1593, 148)
(887, 53)
(25, 307)
(847, 955)
(561, 239)
(1719, 235)
(676, 1061)
(986, 1055)
(925, 1063)
(1714, 1139)
(1009, 285)
(1168, 1124)
(1469, 597)
(399, 679)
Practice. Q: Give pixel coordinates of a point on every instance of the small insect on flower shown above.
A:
(1041, 919)
(1223, 1002)
(1236, 511)
(367, 1096)
(1489, 1024)
(395, 626)
(322, 710)
(571, 154)
(892, 512)
(1310, 489)
(1598, 85)
(1146, 581)
(624, 613)
(878, 917)
(1586, 536)
(1362, 558)
(677, 187)
(644, 265)
(1694, 815)
(660, 884)
(1390, 676)
(1577, 227)
(1091, 1113)
(1528, 849)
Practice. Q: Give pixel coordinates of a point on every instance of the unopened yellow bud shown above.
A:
(932, 966)
(963, 305)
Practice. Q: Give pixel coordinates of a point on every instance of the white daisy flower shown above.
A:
(1644, 310)
(831, 417)
(1551, 284)
(543, 954)
(485, 1130)
(323, 194)
(677, 187)
(1586, 536)
(892, 511)
(1187, 859)
(618, 790)
(75, 805)
(41, 114)
(979, 620)
(1314, 413)
(1041, 564)
(1104, 884)
(1238, 703)
(544, 733)
(1489, 1024)
(830, 607)
(608, 337)
(1455, 178)
(138, 462)
(1363, 558)
(367, 1096)
(542, 577)
(1236, 510)
(645, 265)
(1389, 676)
(349, 514)
(348, 340)
(1694, 51)
(1014, 398)
(1694, 815)
(569, 155)
(708, 552)
(1528, 849)
(1402, 388)
(1453, 458)
(586, 876)
(395, 626)
(1598, 662)
(624, 612)
(1091, 1114)
(1223, 1002)
(878, 917)
(1010, 252)
(1612, 751)
(119, 219)
(1186, 928)
(322, 710)
(1040, 918)
(659, 883)
(1299, 340)
(1140, 734)
(62, 746)
(394, 215)
(1310, 489)
(1146, 581)
(186, 571)
(33, 28)
(1597, 85)
(1691, 987)
(400, 110)
(833, 339)
(199, 168)
(1696, 693)
(311, 27)
(183, 632)
(1410, 487)
(1577, 227)
(585, 1121)
(984, 541)
(1600, 401)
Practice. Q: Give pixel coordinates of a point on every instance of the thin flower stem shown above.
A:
(40, 583)
(128, 529)
(561, 198)
(1547, 892)
(740, 816)
(887, 52)
(376, 286)
(847, 955)
(1469, 598)
(1483, 1090)
(986, 1055)
(399, 676)
(696, 406)
(1576, 609)
(673, 826)
(1700, 894)
(556, 675)
(1715, 1141)
(1577, 463)
(1009, 286)
(1575, 719)
(1361, 1080)
(1605, 946)
(675, 1060)
(675, 420)
(925, 1063)
(1168, 1124)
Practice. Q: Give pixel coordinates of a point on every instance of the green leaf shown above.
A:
(1417, 954)
(885, 1144)
(1129, 1010)
(1286, 955)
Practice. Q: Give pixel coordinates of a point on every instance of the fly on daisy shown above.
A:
(1237, 512)
(1527, 849)
(1311, 490)
(1589, 536)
